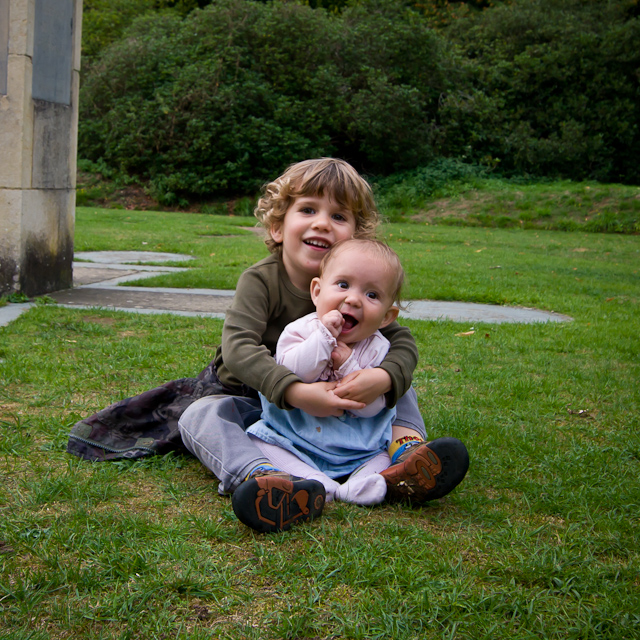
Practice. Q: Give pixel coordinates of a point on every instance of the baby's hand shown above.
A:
(333, 321)
(318, 399)
(340, 354)
(365, 385)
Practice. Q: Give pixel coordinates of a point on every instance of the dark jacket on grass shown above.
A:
(146, 424)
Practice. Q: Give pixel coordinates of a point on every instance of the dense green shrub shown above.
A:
(105, 21)
(224, 99)
(552, 88)
(217, 101)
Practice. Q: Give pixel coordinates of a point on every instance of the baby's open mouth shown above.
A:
(349, 322)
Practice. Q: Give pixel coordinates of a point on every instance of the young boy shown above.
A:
(355, 295)
(312, 206)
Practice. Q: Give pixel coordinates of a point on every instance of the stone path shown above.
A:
(96, 285)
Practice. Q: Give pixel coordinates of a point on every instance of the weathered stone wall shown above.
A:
(38, 139)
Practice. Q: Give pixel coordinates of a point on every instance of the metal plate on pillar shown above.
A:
(53, 50)
(4, 45)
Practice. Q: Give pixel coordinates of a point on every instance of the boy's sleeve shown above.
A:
(244, 353)
(400, 362)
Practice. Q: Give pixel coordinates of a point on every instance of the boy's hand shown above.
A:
(364, 386)
(333, 321)
(340, 354)
(318, 399)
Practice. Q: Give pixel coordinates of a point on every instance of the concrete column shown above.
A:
(39, 82)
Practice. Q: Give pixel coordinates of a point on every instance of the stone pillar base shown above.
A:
(39, 82)
(36, 252)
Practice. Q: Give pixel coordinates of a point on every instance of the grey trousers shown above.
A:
(213, 430)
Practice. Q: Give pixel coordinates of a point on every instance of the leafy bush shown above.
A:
(224, 99)
(216, 101)
(552, 88)
(105, 21)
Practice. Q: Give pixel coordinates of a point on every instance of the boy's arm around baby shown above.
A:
(392, 377)
(251, 329)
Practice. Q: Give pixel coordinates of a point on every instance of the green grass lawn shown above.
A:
(542, 540)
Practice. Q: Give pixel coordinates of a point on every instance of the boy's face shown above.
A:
(359, 286)
(310, 227)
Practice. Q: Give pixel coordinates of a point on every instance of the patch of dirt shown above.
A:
(600, 205)
(99, 320)
(257, 230)
(11, 407)
(133, 197)
(451, 207)
(94, 191)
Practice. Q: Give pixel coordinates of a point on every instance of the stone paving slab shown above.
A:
(96, 287)
(471, 312)
(12, 312)
(128, 257)
(83, 275)
(214, 303)
(134, 299)
(101, 273)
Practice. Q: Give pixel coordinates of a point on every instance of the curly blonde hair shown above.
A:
(319, 177)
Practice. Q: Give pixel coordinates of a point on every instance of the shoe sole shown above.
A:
(430, 472)
(270, 503)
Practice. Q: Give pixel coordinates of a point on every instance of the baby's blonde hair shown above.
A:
(378, 250)
(334, 178)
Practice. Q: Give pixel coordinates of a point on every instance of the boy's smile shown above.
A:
(311, 226)
(357, 285)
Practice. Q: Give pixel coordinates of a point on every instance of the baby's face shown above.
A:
(359, 285)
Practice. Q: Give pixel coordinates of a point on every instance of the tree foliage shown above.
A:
(105, 21)
(220, 99)
(552, 87)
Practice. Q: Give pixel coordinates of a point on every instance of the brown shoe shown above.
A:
(427, 471)
(274, 501)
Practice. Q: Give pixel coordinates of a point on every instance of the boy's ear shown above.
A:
(390, 316)
(276, 232)
(315, 289)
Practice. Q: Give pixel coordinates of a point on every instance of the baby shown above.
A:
(355, 295)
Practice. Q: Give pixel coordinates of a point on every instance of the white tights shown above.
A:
(364, 486)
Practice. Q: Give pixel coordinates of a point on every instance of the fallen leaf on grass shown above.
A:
(465, 333)
(201, 612)
(583, 413)
(5, 548)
